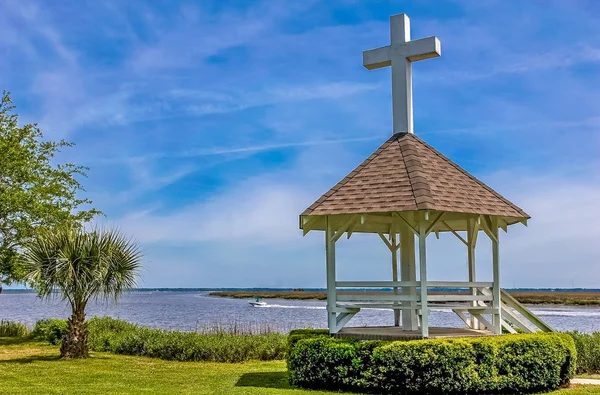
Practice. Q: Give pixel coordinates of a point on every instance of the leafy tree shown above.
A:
(35, 193)
(81, 265)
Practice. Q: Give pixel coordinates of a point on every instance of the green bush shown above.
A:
(503, 364)
(13, 329)
(50, 330)
(588, 351)
(299, 334)
(120, 337)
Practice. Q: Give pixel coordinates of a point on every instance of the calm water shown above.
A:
(193, 310)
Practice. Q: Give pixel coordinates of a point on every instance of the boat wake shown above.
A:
(567, 313)
(281, 306)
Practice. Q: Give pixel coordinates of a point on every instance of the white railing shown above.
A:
(475, 306)
(345, 294)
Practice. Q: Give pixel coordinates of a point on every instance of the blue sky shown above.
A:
(209, 126)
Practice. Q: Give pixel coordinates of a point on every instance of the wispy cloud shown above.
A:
(240, 150)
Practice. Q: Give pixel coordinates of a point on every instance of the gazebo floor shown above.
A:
(396, 333)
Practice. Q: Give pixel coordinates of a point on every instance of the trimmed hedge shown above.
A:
(503, 364)
(307, 333)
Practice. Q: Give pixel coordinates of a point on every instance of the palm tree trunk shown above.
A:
(75, 342)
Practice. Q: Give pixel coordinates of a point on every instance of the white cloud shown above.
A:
(246, 215)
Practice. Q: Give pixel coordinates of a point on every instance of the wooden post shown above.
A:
(423, 277)
(471, 242)
(408, 272)
(497, 317)
(331, 291)
(394, 243)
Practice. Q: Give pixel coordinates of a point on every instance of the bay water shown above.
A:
(196, 310)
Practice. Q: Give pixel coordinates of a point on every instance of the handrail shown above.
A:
(507, 299)
(458, 284)
(362, 296)
(408, 284)
(376, 284)
(379, 298)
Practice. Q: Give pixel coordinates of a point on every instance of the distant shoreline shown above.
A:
(551, 296)
(567, 298)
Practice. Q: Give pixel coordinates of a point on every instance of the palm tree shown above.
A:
(81, 265)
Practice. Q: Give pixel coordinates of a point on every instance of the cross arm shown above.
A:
(377, 58)
(425, 48)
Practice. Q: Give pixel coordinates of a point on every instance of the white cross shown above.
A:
(400, 54)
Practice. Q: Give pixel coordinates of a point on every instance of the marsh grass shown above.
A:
(13, 329)
(217, 344)
(588, 352)
(241, 328)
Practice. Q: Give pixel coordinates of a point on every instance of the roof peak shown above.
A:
(407, 174)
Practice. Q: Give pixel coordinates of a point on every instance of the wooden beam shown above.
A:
(342, 319)
(471, 239)
(503, 224)
(508, 315)
(394, 244)
(476, 228)
(362, 297)
(508, 328)
(408, 273)
(463, 317)
(487, 228)
(308, 224)
(423, 278)
(346, 225)
(458, 298)
(351, 229)
(410, 226)
(377, 284)
(482, 320)
(385, 240)
(511, 302)
(497, 317)
(433, 223)
(459, 284)
(330, 264)
(454, 232)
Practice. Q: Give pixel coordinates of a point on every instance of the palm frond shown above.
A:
(81, 265)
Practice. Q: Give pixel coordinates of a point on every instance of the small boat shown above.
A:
(258, 303)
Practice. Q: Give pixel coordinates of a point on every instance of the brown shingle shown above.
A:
(406, 174)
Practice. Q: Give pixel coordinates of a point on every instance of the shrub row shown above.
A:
(504, 364)
(588, 351)
(121, 337)
(51, 330)
(13, 329)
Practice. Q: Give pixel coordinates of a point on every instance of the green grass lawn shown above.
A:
(28, 367)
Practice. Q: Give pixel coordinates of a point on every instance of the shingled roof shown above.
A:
(407, 174)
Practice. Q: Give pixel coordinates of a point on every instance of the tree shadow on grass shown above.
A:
(8, 341)
(31, 358)
(16, 341)
(44, 358)
(264, 380)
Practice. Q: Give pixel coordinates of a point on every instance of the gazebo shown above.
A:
(405, 192)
